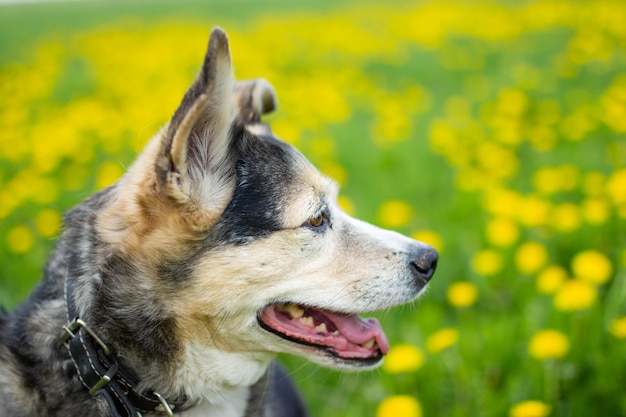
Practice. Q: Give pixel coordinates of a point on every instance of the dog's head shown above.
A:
(240, 242)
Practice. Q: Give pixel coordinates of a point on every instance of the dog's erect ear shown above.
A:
(196, 163)
(254, 98)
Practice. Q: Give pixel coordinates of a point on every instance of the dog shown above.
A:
(172, 291)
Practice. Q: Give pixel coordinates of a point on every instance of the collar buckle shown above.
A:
(69, 332)
(167, 409)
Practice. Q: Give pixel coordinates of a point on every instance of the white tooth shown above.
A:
(336, 333)
(295, 310)
(307, 321)
(321, 328)
(369, 344)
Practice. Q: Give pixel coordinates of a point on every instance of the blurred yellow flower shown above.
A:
(502, 232)
(442, 137)
(530, 257)
(322, 147)
(335, 171)
(399, 406)
(550, 279)
(462, 294)
(530, 409)
(403, 358)
(487, 262)
(533, 211)
(501, 202)
(593, 183)
(287, 131)
(613, 106)
(547, 180)
(592, 266)
(392, 123)
(108, 173)
(543, 138)
(616, 186)
(596, 210)
(346, 204)
(430, 237)
(442, 339)
(20, 239)
(570, 175)
(565, 217)
(512, 101)
(575, 295)
(497, 161)
(48, 222)
(618, 327)
(548, 344)
(395, 213)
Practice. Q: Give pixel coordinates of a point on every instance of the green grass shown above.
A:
(445, 107)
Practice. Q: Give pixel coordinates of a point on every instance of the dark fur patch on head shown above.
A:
(265, 168)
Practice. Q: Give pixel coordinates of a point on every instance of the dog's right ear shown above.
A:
(195, 164)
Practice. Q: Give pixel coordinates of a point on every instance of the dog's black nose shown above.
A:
(424, 263)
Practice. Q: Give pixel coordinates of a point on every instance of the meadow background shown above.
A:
(494, 131)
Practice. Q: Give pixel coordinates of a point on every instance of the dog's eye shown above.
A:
(317, 221)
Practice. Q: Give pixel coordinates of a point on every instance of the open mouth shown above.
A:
(344, 336)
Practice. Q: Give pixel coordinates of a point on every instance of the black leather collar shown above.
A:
(101, 373)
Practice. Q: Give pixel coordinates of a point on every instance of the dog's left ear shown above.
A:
(253, 99)
(195, 165)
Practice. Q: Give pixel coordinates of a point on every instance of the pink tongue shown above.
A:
(358, 331)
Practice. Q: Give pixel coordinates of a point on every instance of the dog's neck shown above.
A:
(213, 375)
(213, 382)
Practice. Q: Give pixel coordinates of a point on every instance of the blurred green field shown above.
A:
(494, 131)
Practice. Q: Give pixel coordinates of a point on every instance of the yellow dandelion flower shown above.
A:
(487, 262)
(399, 406)
(462, 294)
(44, 190)
(566, 217)
(533, 211)
(442, 137)
(512, 101)
(395, 213)
(548, 344)
(570, 175)
(596, 210)
(618, 327)
(593, 183)
(547, 180)
(20, 239)
(502, 232)
(403, 358)
(346, 204)
(322, 147)
(592, 266)
(335, 171)
(428, 236)
(616, 186)
(530, 257)
(48, 222)
(442, 339)
(550, 279)
(575, 295)
(288, 132)
(502, 202)
(108, 173)
(530, 409)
